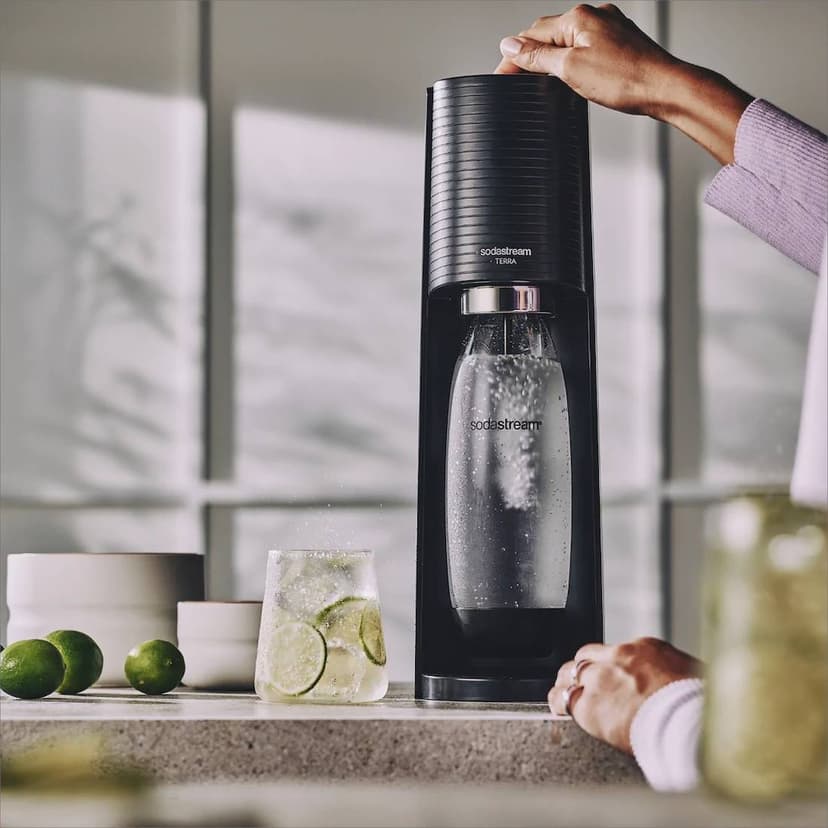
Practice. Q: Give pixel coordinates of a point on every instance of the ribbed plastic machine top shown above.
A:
(509, 180)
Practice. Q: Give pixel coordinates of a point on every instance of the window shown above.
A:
(211, 252)
(101, 277)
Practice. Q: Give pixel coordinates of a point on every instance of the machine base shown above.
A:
(467, 689)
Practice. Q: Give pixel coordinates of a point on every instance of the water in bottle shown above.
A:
(508, 479)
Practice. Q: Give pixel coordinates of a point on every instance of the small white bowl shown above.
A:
(120, 599)
(218, 641)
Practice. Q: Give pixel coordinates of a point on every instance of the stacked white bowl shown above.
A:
(119, 599)
(218, 641)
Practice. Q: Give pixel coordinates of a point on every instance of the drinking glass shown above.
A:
(321, 637)
(765, 729)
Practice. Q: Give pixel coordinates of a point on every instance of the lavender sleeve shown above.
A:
(778, 189)
(778, 186)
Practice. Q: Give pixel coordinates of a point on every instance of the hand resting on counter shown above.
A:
(608, 684)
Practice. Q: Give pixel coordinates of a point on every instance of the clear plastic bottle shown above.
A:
(508, 474)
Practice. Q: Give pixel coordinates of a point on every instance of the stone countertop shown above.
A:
(303, 805)
(325, 765)
(193, 736)
(126, 704)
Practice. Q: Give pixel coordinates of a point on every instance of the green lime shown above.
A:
(339, 621)
(154, 667)
(370, 634)
(31, 669)
(297, 658)
(83, 659)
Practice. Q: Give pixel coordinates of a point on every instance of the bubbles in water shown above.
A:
(344, 669)
(508, 483)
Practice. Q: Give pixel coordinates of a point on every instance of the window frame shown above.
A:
(678, 490)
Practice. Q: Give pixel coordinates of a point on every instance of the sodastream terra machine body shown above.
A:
(508, 539)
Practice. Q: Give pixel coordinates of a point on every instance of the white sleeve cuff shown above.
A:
(809, 485)
(665, 735)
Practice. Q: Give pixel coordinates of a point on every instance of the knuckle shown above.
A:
(590, 676)
(564, 671)
(534, 56)
(635, 664)
(584, 651)
(649, 643)
(626, 650)
(583, 12)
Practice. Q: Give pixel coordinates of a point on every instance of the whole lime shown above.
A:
(31, 669)
(154, 667)
(83, 659)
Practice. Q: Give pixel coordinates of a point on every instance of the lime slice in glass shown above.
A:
(342, 677)
(339, 622)
(297, 658)
(370, 634)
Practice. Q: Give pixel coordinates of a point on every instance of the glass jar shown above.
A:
(765, 732)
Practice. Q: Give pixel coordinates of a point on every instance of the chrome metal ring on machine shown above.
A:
(486, 299)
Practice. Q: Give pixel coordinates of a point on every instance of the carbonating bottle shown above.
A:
(508, 473)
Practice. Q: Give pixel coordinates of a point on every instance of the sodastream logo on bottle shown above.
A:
(505, 255)
(506, 425)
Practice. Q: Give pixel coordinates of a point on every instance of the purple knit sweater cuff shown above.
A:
(788, 154)
(778, 186)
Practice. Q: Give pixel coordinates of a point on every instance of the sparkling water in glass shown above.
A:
(321, 637)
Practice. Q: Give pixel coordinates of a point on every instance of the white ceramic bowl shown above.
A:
(218, 641)
(118, 599)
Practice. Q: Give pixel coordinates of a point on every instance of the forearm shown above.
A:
(774, 176)
(704, 105)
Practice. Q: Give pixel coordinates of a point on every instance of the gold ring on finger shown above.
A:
(567, 697)
(578, 668)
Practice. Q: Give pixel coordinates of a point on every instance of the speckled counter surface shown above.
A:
(364, 805)
(189, 736)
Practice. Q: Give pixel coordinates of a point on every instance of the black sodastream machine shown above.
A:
(508, 540)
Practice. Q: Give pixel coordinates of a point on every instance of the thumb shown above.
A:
(533, 55)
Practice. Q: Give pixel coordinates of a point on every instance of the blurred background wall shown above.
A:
(210, 250)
